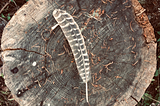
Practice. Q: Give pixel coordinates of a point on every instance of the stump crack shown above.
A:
(24, 50)
(134, 99)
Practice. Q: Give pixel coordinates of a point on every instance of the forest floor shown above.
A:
(152, 94)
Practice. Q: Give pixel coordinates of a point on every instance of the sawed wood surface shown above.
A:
(38, 61)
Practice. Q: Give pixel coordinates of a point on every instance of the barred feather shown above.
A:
(76, 41)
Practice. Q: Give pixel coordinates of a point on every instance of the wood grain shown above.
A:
(123, 60)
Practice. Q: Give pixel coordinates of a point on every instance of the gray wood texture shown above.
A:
(39, 66)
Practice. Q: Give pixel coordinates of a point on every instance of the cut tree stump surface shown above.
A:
(39, 66)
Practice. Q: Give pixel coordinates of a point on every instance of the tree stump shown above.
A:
(39, 66)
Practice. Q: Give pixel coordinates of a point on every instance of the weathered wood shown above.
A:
(39, 65)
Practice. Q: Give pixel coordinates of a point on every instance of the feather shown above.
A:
(76, 41)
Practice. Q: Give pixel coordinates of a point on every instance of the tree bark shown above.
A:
(39, 66)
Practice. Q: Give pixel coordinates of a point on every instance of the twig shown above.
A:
(5, 6)
(153, 99)
(14, 3)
